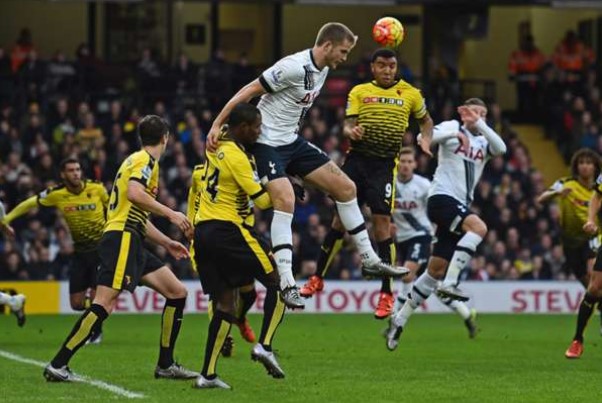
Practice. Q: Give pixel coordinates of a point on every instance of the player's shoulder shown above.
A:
(421, 180)
(566, 180)
(94, 184)
(363, 87)
(294, 62)
(404, 86)
(231, 152)
(52, 191)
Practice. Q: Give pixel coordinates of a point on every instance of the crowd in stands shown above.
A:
(561, 91)
(48, 114)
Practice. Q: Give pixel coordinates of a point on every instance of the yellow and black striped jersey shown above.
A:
(573, 210)
(122, 214)
(84, 212)
(230, 186)
(384, 113)
(194, 193)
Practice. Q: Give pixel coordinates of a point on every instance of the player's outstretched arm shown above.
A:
(21, 209)
(245, 94)
(557, 189)
(175, 248)
(136, 194)
(591, 227)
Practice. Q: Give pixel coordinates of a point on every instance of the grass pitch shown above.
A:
(327, 358)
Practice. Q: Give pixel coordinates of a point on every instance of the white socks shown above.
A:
(464, 250)
(353, 221)
(422, 289)
(7, 299)
(282, 246)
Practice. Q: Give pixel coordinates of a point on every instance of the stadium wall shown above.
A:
(488, 58)
(53, 25)
(546, 297)
(301, 22)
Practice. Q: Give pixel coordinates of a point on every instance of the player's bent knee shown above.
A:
(179, 292)
(345, 191)
(283, 201)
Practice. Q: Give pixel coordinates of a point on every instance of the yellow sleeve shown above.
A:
(353, 103)
(419, 106)
(21, 209)
(242, 171)
(104, 195)
(195, 185)
(141, 168)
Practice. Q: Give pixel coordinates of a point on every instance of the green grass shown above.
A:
(327, 358)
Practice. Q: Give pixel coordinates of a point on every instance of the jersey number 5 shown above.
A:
(115, 194)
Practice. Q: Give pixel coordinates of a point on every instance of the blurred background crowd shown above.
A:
(66, 105)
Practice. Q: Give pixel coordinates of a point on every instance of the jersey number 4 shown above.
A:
(212, 184)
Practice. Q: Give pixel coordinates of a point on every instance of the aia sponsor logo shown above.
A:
(473, 153)
(406, 204)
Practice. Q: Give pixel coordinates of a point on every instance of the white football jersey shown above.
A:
(292, 85)
(409, 213)
(458, 170)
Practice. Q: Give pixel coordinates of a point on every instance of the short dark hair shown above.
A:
(336, 33)
(243, 113)
(587, 154)
(384, 53)
(151, 130)
(407, 151)
(475, 101)
(67, 161)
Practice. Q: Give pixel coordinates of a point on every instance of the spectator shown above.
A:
(524, 68)
(6, 78)
(22, 49)
(61, 74)
(573, 58)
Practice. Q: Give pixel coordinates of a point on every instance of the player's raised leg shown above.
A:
(333, 181)
(283, 199)
(387, 254)
(474, 230)
(330, 248)
(16, 304)
(468, 315)
(167, 284)
(423, 287)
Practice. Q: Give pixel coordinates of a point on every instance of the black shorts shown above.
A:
(83, 271)
(229, 256)
(448, 214)
(299, 158)
(576, 258)
(374, 179)
(124, 260)
(416, 249)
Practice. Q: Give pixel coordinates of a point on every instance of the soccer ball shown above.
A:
(388, 32)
